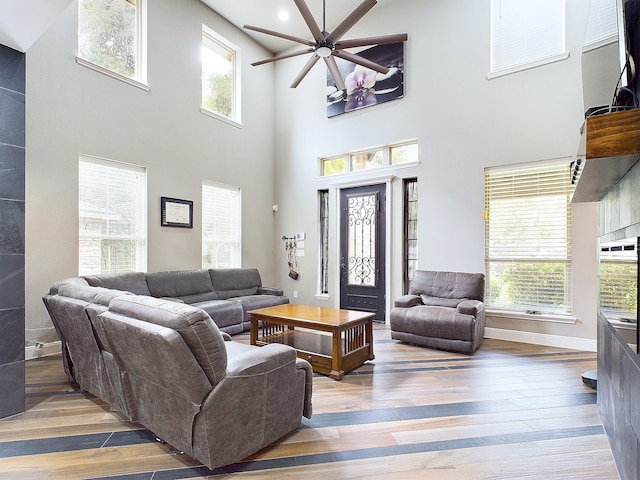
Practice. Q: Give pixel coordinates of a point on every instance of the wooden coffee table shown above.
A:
(333, 341)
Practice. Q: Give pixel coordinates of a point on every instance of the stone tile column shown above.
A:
(12, 237)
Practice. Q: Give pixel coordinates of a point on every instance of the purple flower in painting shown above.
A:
(361, 78)
(360, 98)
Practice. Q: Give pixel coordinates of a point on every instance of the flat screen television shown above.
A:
(629, 47)
(619, 287)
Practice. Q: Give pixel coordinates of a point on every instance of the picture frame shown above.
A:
(175, 212)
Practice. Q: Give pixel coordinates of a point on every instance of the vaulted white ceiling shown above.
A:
(23, 21)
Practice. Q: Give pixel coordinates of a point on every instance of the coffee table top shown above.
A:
(314, 315)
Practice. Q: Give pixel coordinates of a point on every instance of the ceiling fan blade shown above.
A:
(351, 20)
(309, 20)
(360, 61)
(312, 61)
(279, 35)
(379, 40)
(282, 57)
(335, 72)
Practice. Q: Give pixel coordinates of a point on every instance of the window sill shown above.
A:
(109, 73)
(527, 66)
(233, 123)
(544, 317)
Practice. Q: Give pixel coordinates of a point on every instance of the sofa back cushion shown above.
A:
(235, 282)
(193, 324)
(133, 282)
(457, 285)
(99, 295)
(188, 285)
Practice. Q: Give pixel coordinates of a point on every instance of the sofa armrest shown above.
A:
(270, 291)
(225, 336)
(259, 361)
(308, 387)
(470, 307)
(407, 301)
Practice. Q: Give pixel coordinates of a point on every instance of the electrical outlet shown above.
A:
(295, 294)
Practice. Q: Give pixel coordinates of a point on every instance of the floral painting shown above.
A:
(366, 87)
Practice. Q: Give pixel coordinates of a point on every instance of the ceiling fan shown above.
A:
(327, 45)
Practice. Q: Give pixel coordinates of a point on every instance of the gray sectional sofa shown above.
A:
(151, 347)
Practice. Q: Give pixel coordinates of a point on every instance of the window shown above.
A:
(528, 239)
(110, 36)
(221, 222)
(619, 279)
(112, 213)
(368, 159)
(220, 76)
(602, 26)
(410, 230)
(324, 241)
(525, 34)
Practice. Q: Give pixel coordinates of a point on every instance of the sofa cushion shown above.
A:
(99, 295)
(181, 284)
(448, 284)
(133, 282)
(254, 302)
(235, 282)
(223, 312)
(437, 322)
(440, 301)
(193, 324)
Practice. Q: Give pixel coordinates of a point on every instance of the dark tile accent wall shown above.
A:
(618, 363)
(12, 204)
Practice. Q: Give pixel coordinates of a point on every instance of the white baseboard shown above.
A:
(559, 341)
(42, 350)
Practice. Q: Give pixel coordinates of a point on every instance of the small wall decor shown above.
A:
(176, 213)
(290, 246)
(365, 87)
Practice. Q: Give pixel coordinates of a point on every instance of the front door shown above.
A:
(362, 249)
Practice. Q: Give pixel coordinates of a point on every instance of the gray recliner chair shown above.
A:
(443, 310)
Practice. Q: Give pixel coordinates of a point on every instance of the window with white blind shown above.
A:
(111, 37)
(619, 279)
(528, 238)
(602, 26)
(526, 34)
(221, 222)
(112, 216)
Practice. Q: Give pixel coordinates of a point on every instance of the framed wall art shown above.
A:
(176, 213)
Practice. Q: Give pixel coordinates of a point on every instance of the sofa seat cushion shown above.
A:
(223, 312)
(253, 302)
(191, 286)
(133, 282)
(438, 322)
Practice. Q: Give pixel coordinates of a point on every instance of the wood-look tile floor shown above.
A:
(511, 411)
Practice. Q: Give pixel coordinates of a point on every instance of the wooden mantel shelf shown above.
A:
(611, 148)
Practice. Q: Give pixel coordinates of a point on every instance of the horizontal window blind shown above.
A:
(523, 32)
(112, 217)
(528, 239)
(221, 226)
(619, 281)
(602, 26)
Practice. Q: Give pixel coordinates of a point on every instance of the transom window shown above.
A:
(528, 226)
(221, 222)
(112, 217)
(111, 36)
(220, 76)
(369, 159)
(526, 34)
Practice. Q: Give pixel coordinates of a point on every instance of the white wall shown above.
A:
(73, 110)
(463, 123)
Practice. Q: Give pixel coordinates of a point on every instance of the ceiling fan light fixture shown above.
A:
(323, 51)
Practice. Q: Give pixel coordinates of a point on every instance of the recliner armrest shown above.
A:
(260, 361)
(278, 292)
(470, 307)
(407, 301)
